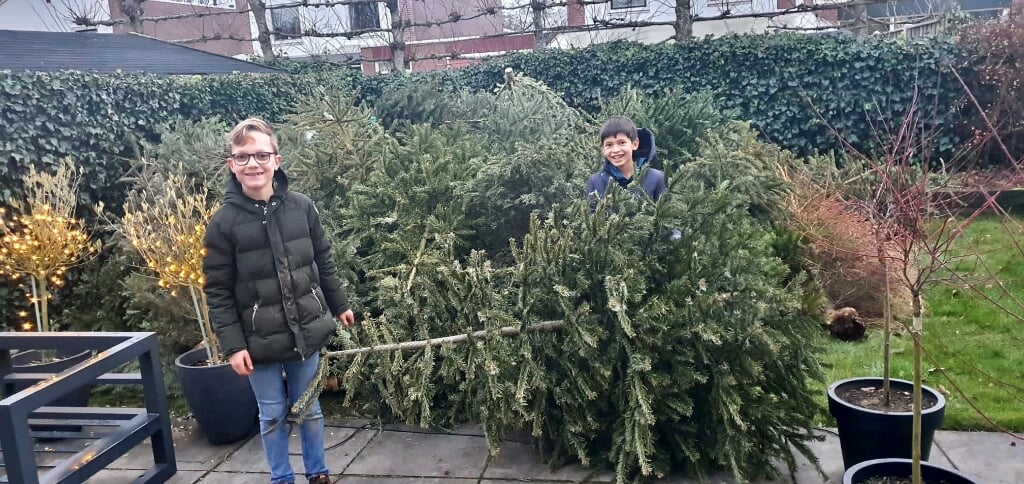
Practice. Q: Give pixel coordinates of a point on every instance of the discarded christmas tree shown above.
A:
(675, 354)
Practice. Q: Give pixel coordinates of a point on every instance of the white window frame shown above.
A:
(631, 5)
(225, 4)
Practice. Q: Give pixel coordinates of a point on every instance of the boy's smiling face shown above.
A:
(257, 179)
(618, 150)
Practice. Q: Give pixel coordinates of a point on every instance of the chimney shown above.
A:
(576, 13)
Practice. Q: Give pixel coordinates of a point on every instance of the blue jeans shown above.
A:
(274, 405)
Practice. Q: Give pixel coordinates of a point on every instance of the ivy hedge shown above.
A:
(790, 86)
(100, 120)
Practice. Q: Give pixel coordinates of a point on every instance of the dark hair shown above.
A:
(617, 125)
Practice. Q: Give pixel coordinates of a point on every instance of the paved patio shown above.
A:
(360, 452)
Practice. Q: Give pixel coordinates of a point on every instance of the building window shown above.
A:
(365, 16)
(227, 4)
(725, 4)
(286, 23)
(620, 4)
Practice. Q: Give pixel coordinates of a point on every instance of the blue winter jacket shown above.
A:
(653, 182)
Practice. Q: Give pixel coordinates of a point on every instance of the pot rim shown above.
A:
(939, 405)
(848, 475)
(178, 363)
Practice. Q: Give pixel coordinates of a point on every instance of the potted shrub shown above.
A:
(913, 224)
(875, 415)
(40, 241)
(165, 218)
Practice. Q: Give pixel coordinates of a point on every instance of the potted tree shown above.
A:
(40, 241)
(891, 423)
(165, 218)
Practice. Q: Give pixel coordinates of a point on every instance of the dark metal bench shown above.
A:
(111, 433)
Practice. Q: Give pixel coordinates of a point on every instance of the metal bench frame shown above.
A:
(132, 425)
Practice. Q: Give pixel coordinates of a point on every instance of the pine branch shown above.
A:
(461, 338)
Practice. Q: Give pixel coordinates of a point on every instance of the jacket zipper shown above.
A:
(266, 207)
(322, 311)
(255, 307)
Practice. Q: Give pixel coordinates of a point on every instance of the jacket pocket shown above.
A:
(323, 309)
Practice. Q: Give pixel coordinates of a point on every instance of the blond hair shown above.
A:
(241, 133)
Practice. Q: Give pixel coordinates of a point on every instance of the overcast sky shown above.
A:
(40, 15)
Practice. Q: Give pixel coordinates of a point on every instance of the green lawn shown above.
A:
(980, 347)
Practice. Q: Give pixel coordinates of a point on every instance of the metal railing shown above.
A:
(113, 431)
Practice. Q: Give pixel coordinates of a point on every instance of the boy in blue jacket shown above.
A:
(626, 150)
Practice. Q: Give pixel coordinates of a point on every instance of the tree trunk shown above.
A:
(916, 432)
(259, 14)
(203, 315)
(132, 11)
(397, 35)
(684, 23)
(538, 24)
(887, 319)
(43, 308)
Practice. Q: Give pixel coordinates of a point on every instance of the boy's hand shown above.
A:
(241, 363)
(347, 318)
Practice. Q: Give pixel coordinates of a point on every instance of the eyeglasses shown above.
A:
(242, 159)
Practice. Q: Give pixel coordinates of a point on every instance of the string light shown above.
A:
(167, 229)
(42, 238)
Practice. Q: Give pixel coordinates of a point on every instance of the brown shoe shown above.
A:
(320, 479)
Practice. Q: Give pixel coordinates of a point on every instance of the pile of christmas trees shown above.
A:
(459, 212)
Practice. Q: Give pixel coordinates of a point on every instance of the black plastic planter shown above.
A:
(870, 434)
(221, 401)
(29, 362)
(901, 468)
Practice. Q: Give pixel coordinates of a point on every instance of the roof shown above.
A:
(23, 50)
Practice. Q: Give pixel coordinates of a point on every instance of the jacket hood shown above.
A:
(234, 195)
(646, 152)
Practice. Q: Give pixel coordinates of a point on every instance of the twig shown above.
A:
(419, 255)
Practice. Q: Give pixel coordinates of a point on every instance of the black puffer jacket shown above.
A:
(270, 283)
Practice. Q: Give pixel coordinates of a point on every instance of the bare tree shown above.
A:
(259, 15)
(544, 19)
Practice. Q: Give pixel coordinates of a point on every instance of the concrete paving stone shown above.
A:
(339, 457)
(468, 429)
(191, 451)
(986, 457)
(830, 458)
(123, 476)
(250, 457)
(531, 481)
(401, 480)
(829, 455)
(235, 478)
(421, 455)
(520, 461)
(401, 427)
(355, 423)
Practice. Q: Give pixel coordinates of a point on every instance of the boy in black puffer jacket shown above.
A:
(272, 290)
